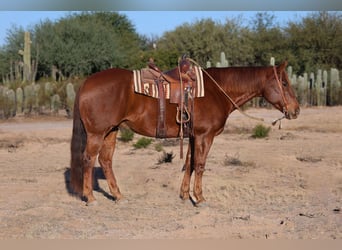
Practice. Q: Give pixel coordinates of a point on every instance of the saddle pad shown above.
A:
(199, 90)
(148, 87)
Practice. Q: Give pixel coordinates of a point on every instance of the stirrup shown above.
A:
(186, 115)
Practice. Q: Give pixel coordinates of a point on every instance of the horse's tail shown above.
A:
(78, 144)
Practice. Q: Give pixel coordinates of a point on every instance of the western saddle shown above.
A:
(178, 85)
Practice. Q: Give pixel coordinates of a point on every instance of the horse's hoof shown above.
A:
(201, 204)
(121, 201)
(184, 196)
(198, 203)
(91, 203)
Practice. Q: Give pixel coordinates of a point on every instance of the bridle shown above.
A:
(285, 107)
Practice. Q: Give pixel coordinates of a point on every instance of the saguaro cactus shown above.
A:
(272, 61)
(27, 72)
(70, 98)
(223, 61)
(28, 99)
(9, 101)
(20, 100)
(55, 103)
(335, 86)
(289, 72)
(48, 93)
(36, 88)
(318, 86)
(324, 89)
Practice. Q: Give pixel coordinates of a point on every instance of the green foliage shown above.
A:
(316, 41)
(205, 39)
(126, 134)
(260, 131)
(264, 29)
(143, 142)
(84, 43)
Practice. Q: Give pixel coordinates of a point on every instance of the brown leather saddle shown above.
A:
(181, 81)
(178, 85)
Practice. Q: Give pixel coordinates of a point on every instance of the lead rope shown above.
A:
(181, 135)
(235, 105)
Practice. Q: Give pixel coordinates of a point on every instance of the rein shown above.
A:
(181, 135)
(237, 107)
(285, 110)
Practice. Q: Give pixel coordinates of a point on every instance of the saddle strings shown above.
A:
(232, 101)
(181, 135)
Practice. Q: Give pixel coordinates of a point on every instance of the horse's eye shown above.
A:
(284, 84)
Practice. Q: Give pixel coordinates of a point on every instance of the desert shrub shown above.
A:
(158, 147)
(260, 131)
(143, 142)
(232, 160)
(166, 157)
(235, 161)
(126, 134)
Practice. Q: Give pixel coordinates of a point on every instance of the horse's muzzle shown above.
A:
(292, 114)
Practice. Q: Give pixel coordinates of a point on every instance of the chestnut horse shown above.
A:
(107, 99)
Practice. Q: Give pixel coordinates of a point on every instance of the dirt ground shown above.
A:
(287, 186)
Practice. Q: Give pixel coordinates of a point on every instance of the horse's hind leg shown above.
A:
(94, 143)
(105, 160)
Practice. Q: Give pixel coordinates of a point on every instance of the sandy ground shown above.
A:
(288, 186)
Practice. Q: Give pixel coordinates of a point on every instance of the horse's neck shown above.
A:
(243, 84)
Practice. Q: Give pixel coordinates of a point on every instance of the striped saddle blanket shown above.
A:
(145, 82)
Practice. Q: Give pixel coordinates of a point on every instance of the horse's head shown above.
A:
(279, 93)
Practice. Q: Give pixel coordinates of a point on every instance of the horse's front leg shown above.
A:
(201, 149)
(188, 169)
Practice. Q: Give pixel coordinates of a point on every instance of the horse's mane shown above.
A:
(239, 79)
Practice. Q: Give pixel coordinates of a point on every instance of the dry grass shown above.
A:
(235, 161)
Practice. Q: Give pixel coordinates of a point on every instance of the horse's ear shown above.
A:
(282, 66)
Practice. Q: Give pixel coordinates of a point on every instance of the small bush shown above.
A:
(232, 161)
(166, 157)
(126, 134)
(143, 142)
(235, 161)
(158, 147)
(260, 131)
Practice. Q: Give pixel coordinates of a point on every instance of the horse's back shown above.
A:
(110, 76)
